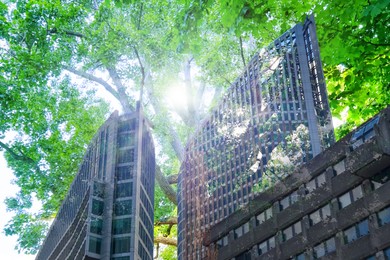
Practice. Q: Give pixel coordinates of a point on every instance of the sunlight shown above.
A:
(176, 97)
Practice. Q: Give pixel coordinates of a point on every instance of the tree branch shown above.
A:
(91, 77)
(165, 186)
(242, 52)
(20, 157)
(140, 17)
(175, 141)
(119, 96)
(165, 240)
(67, 32)
(199, 94)
(122, 96)
(172, 179)
(167, 221)
(191, 111)
(142, 72)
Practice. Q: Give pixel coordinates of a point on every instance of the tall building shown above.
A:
(337, 206)
(108, 211)
(280, 95)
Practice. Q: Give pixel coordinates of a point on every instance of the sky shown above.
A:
(7, 245)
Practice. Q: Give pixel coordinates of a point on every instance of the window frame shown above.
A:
(357, 231)
(386, 212)
(270, 244)
(351, 195)
(294, 231)
(326, 247)
(321, 214)
(291, 199)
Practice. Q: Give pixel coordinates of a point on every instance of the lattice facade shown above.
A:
(281, 91)
(108, 212)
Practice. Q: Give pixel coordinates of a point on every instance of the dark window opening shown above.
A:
(121, 245)
(124, 172)
(95, 245)
(122, 226)
(125, 156)
(123, 207)
(124, 190)
(96, 225)
(97, 207)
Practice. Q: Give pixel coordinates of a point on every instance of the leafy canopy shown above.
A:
(123, 46)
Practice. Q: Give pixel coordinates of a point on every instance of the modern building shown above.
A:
(108, 211)
(337, 206)
(281, 93)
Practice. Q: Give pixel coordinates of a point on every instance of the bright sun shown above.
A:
(176, 97)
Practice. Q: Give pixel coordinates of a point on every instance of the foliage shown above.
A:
(46, 151)
(123, 46)
(169, 253)
(353, 40)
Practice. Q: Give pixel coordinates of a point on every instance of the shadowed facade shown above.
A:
(337, 206)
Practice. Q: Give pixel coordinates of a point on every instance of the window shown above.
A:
(364, 133)
(95, 245)
(121, 258)
(356, 231)
(375, 185)
(386, 253)
(384, 216)
(126, 155)
(142, 252)
(124, 172)
(126, 125)
(246, 227)
(266, 245)
(339, 167)
(122, 226)
(350, 196)
(383, 176)
(125, 140)
(315, 183)
(300, 257)
(263, 216)
(124, 190)
(320, 215)
(244, 256)
(96, 225)
(98, 189)
(291, 231)
(324, 248)
(222, 242)
(121, 245)
(97, 207)
(238, 232)
(288, 200)
(123, 207)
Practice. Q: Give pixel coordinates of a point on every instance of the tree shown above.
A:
(353, 40)
(126, 47)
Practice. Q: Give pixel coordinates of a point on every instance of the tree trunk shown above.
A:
(166, 241)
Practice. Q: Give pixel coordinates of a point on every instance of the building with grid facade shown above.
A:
(108, 211)
(281, 91)
(337, 206)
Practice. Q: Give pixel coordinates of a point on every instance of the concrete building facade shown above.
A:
(108, 211)
(281, 91)
(337, 206)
